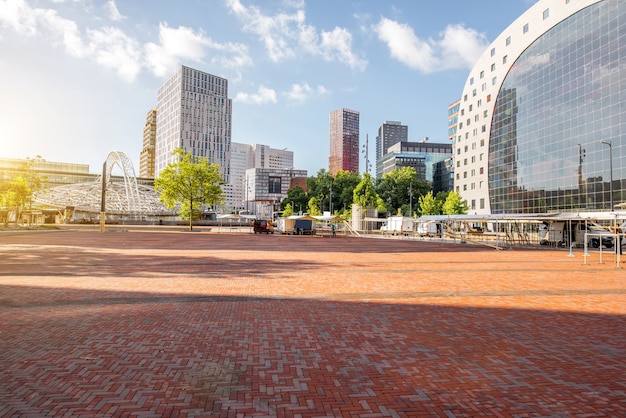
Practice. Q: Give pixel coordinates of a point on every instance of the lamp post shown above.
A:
(610, 169)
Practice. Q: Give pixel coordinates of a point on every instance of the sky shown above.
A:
(77, 77)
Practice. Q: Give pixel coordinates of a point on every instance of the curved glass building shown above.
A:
(543, 113)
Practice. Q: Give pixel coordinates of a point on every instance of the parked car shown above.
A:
(263, 225)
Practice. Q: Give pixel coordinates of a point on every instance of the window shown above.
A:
(505, 59)
(273, 185)
(493, 52)
(488, 98)
(471, 81)
(508, 41)
(493, 67)
(525, 30)
(546, 14)
(482, 74)
(482, 203)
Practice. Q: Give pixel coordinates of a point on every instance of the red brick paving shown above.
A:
(195, 324)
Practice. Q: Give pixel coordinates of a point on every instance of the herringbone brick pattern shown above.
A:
(191, 325)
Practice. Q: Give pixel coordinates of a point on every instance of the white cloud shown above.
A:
(461, 47)
(457, 46)
(183, 44)
(286, 35)
(262, 96)
(114, 13)
(301, 92)
(112, 49)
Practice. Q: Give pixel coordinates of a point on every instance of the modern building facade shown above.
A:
(194, 113)
(542, 120)
(245, 157)
(344, 141)
(422, 156)
(389, 133)
(146, 157)
(267, 187)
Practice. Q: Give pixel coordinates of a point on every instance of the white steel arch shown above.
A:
(132, 197)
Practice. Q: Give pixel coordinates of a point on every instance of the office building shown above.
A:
(389, 133)
(194, 113)
(422, 156)
(146, 157)
(344, 141)
(542, 117)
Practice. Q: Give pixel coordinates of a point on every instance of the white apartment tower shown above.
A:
(245, 157)
(194, 113)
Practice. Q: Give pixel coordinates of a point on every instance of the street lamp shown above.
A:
(610, 169)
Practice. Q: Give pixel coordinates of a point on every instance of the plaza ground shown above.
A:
(150, 323)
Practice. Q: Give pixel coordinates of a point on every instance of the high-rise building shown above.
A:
(344, 141)
(389, 133)
(245, 157)
(194, 113)
(542, 113)
(146, 157)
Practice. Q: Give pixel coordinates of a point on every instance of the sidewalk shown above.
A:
(198, 324)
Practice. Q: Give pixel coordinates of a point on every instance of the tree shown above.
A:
(191, 183)
(14, 196)
(287, 211)
(343, 190)
(364, 194)
(314, 209)
(454, 205)
(429, 205)
(297, 198)
(399, 188)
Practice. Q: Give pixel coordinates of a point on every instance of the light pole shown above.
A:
(610, 169)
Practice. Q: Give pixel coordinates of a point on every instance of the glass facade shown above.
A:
(561, 97)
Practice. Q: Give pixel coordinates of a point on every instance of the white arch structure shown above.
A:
(131, 201)
(124, 198)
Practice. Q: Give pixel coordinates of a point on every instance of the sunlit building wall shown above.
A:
(344, 141)
(194, 113)
(146, 157)
(536, 107)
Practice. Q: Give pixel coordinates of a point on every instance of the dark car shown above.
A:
(262, 225)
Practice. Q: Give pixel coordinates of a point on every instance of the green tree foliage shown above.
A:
(191, 183)
(297, 198)
(429, 205)
(319, 187)
(13, 197)
(287, 210)
(395, 190)
(344, 184)
(364, 193)
(454, 205)
(313, 205)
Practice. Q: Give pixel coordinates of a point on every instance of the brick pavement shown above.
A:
(195, 324)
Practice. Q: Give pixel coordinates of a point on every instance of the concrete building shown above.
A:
(542, 121)
(267, 187)
(194, 113)
(248, 169)
(422, 156)
(389, 133)
(344, 141)
(146, 157)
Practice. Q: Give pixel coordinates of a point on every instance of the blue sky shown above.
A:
(77, 77)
